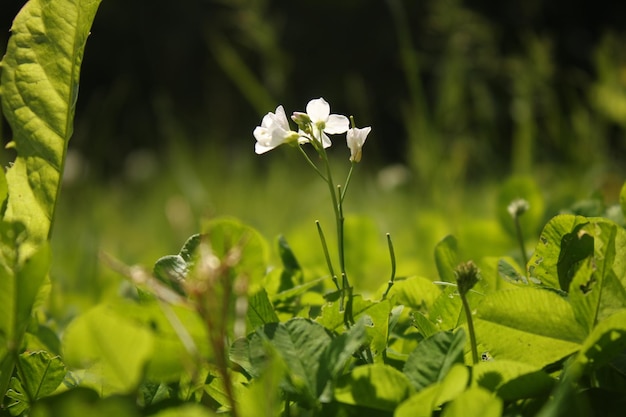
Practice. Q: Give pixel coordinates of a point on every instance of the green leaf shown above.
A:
(377, 312)
(512, 380)
(173, 269)
(377, 386)
(447, 258)
(300, 343)
(113, 349)
(475, 402)
(227, 234)
(20, 283)
(431, 361)
(262, 398)
(40, 374)
(338, 353)
(558, 251)
(260, 311)
(446, 312)
(531, 325)
(80, 402)
(39, 88)
(290, 263)
(431, 398)
(415, 292)
(606, 341)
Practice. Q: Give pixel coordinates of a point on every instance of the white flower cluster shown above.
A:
(314, 126)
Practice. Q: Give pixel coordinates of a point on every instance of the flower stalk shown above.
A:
(466, 277)
(314, 126)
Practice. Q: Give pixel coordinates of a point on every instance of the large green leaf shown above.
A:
(532, 325)
(375, 386)
(431, 398)
(300, 343)
(512, 380)
(40, 374)
(39, 88)
(113, 349)
(561, 246)
(475, 402)
(414, 292)
(434, 357)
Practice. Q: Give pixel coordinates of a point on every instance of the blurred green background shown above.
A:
(463, 96)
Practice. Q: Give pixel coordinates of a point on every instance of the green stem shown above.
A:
(326, 254)
(345, 187)
(392, 255)
(311, 163)
(470, 327)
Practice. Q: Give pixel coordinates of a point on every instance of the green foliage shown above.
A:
(217, 329)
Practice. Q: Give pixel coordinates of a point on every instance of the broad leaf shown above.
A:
(225, 235)
(300, 343)
(39, 88)
(113, 349)
(424, 402)
(559, 249)
(414, 292)
(512, 380)
(375, 386)
(338, 353)
(260, 311)
(40, 375)
(532, 325)
(434, 357)
(475, 402)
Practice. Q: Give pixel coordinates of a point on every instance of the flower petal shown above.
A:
(336, 124)
(318, 110)
(280, 117)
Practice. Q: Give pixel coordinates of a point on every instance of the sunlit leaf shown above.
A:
(475, 402)
(434, 357)
(39, 88)
(377, 386)
(113, 349)
(512, 380)
(558, 251)
(260, 310)
(414, 292)
(431, 398)
(227, 234)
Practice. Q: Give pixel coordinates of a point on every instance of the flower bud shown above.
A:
(466, 276)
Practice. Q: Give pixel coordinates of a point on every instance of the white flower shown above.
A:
(322, 122)
(356, 138)
(274, 131)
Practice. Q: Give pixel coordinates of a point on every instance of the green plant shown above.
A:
(218, 329)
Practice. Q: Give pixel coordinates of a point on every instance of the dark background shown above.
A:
(161, 70)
